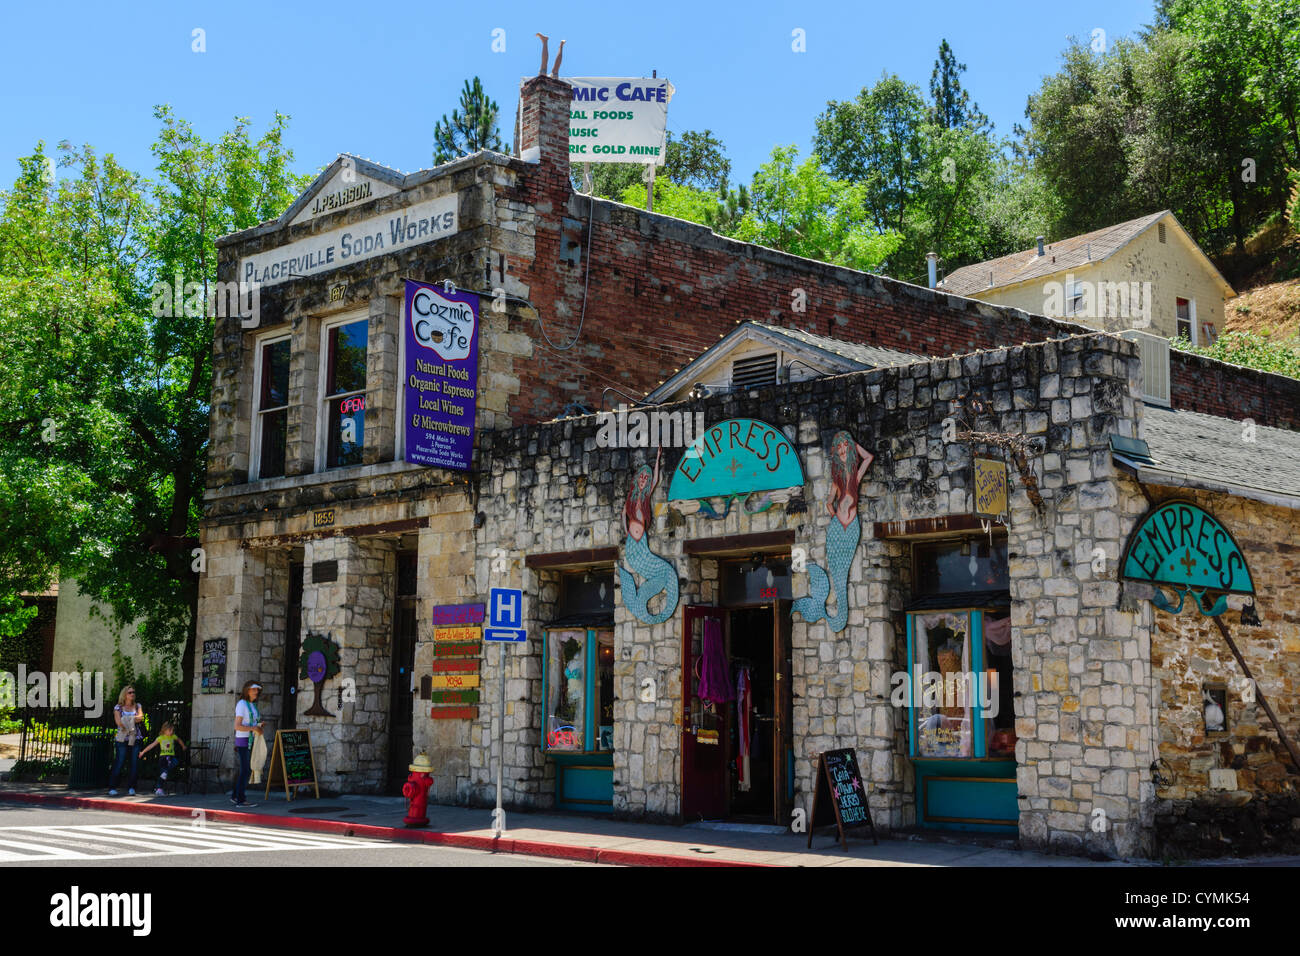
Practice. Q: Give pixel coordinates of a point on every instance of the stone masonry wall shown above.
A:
(1233, 791)
(355, 612)
(1084, 714)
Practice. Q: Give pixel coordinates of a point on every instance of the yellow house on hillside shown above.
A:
(1146, 274)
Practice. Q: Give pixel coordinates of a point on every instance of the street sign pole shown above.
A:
(504, 620)
(501, 734)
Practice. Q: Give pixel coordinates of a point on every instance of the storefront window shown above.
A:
(273, 408)
(605, 688)
(579, 690)
(566, 685)
(941, 655)
(959, 651)
(960, 683)
(756, 580)
(1000, 726)
(345, 398)
(959, 567)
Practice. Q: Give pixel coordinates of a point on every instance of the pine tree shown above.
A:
(952, 106)
(471, 128)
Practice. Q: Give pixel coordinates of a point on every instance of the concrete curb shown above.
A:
(560, 851)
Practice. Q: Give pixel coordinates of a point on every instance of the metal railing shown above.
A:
(47, 732)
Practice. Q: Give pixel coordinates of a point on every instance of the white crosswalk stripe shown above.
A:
(116, 841)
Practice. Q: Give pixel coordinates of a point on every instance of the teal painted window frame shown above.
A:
(979, 705)
(590, 701)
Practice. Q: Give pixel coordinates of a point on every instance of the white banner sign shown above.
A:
(417, 224)
(613, 120)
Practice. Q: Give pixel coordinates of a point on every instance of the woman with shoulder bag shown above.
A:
(248, 721)
(127, 715)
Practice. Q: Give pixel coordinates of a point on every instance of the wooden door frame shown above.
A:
(782, 707)
(689, 613)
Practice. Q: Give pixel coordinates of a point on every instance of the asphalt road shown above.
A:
(57, 836)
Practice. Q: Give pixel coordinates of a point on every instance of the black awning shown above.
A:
(590, 619)
(949, 602)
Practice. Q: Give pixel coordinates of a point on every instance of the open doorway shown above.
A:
(736, 736)
(751, 739)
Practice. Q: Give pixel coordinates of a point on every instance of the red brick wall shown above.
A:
(662, 290)
(1230, 391)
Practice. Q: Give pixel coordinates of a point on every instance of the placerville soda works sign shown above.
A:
(441, 375)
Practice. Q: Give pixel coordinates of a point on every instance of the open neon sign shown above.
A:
(355, 404)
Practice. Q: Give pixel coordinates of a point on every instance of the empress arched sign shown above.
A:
(736, 458)
(1181, 547)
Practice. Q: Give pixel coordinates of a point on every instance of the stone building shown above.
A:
(374, 471)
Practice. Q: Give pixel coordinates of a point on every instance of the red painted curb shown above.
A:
(561, 851)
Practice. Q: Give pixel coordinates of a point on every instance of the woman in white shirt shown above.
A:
(248, 721)
(127, 714)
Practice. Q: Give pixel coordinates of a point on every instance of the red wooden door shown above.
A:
(704, 732)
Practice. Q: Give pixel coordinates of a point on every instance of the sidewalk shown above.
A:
(567, 836)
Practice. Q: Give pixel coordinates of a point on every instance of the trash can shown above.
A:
(90, 762)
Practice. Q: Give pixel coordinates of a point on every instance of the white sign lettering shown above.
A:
(379, 235)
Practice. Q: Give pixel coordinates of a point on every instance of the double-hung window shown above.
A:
(1075, 302)
(271, 426)
(1186, 325)
(344, 392)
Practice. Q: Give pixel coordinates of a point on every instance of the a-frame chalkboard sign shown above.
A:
(292, 762)
(839, 786)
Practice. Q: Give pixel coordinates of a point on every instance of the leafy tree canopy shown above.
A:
(105, 431)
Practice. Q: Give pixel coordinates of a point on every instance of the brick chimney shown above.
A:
(544, 122)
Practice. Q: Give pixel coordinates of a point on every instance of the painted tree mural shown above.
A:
(319, 661)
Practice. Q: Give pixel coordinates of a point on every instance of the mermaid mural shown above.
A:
(657, 574)
(849, 462)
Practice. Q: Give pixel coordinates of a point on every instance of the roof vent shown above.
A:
(1041, 251)
(1161, 229)
(756, 372)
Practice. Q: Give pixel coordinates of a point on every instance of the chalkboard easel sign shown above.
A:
(293, 762)
(839, 785)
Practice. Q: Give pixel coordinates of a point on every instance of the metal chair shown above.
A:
(205, 762)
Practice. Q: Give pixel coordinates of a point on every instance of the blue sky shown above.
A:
(372, 79)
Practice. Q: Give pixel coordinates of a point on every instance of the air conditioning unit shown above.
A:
(1154, 352)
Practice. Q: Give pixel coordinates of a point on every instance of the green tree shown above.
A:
(799, 208)
(1200, 115)
(1251, 350)
(107, 429)
(951, 105)
(874, 141)
(683, 202)
(696, 159)
(470, 128)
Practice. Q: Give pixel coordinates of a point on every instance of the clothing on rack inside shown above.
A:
(744, 706)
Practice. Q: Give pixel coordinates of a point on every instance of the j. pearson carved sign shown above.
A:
(1180, 546)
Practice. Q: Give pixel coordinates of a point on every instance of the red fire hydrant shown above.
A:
(416, 791)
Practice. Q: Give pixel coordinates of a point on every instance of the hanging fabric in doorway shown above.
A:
(744, 704)
(849, 462)
(657, 574)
